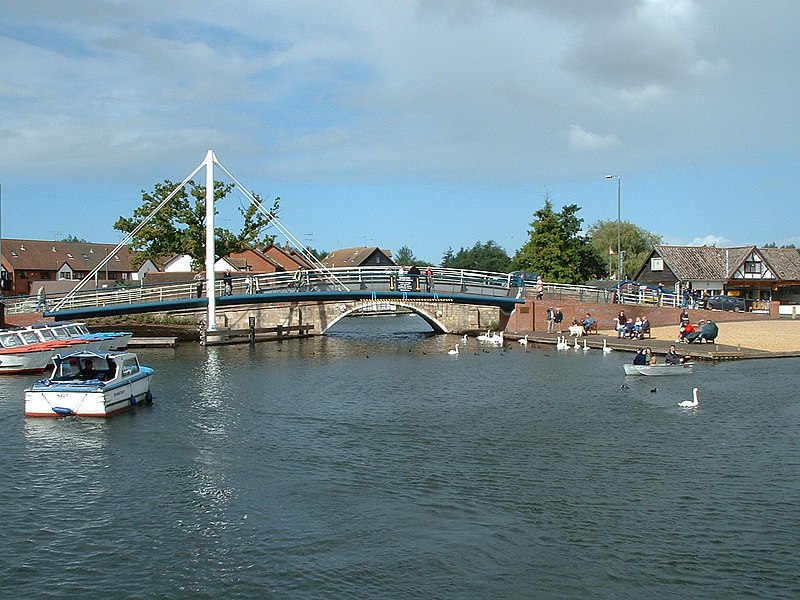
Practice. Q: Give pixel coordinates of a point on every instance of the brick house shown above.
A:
(28, 264)
(361, 256)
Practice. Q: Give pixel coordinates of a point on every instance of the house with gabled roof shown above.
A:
(28, 264)
(360, 256)
(751, 272)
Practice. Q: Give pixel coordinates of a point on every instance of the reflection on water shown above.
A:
(371, 463)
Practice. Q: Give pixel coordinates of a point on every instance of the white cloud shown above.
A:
(581, 139)
(710, 240)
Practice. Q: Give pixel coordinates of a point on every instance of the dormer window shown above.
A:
(22, 246)
(69, 256)
(54, 248)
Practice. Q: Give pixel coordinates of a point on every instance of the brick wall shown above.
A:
(532, 316)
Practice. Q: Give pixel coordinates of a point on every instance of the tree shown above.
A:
(556, 250)
(72, 238)
(636, 244)
(179, 227)
(481, 257)
(405, 256)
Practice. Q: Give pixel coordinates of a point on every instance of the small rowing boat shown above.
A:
(659, 369)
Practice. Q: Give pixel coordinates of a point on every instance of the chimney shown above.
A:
(286, 246)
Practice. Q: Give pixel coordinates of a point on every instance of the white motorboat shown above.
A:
(90, 384)
(659, 369)
(22, 352)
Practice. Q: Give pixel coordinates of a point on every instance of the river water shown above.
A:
(370, 463)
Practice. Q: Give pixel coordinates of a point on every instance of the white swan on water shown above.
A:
(606, 347)
(562, 343)
(484, 337)
(577, 345)
(523, 341)
(585, 346)
(454, 350)
(693, 402)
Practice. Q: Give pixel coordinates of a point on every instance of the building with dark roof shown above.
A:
(751, 272)
(25, 264)
(360, 256)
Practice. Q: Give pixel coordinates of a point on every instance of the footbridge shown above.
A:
(449, 301)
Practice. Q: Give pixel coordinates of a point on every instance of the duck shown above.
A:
(454, 350)
(694, 402)
(523, 341)
(606, 347)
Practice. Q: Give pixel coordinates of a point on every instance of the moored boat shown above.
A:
(684, 368)
(90, 384)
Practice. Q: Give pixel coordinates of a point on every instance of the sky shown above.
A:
(431, 124)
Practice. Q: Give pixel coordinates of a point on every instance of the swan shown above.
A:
(464, 339)
(576, 344)
(454, 350)
(523, 341)
(562, 343)
(606, 347)
(585, 346)
(496, 339)
(693, 402)
(485, 337)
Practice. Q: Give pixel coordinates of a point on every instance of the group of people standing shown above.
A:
(554, 319)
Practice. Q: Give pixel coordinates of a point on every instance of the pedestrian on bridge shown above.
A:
(227, 279)
(198, 282)
(41, 300)
(428, 279)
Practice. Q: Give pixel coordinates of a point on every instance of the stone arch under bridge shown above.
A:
(443, 316)
(432, 315)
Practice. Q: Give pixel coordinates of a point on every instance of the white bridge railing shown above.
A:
(443, 281)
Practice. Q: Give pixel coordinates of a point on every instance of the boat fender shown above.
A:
(149, 397)
(63, 411)
(133, 400)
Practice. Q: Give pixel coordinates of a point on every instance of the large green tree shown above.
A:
(556, 250)
(635, 242)
(481, 257)
(179, 227)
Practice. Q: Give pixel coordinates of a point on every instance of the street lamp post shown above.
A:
(619, 245)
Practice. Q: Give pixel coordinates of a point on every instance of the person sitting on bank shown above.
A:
(640, 358)
(645, 326)
(588, 323)
(686, 330)
(672, 358)
(628, 329)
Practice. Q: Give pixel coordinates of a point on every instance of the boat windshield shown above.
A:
(29, 337)
(46, 334)
(84, 368)
(11, 340)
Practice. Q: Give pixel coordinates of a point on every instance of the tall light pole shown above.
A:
(619, 237)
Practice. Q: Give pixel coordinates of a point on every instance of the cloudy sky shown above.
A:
(430, 124)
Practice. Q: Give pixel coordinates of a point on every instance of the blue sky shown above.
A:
(430, 124)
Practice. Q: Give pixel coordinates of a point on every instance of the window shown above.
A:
(65, 275)
(752, 266)
(656, 264)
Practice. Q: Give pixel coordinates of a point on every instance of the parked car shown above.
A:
(722, 302)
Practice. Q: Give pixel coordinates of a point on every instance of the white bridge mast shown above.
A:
(211, 315)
